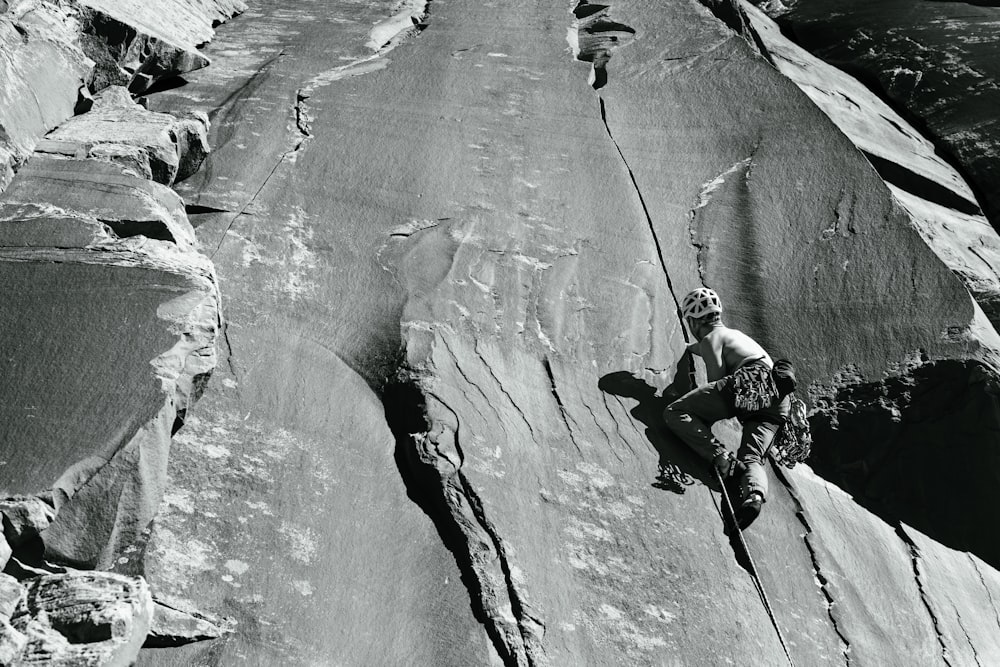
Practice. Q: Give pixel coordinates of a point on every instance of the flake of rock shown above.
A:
(161, 39)
(126, 203)
(174, 627)
(12, 642)
(84, 618)
(11, 594)
(24, 518)
(33, 225)
(117, 129)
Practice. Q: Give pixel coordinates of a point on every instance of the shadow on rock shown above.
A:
(679, 467)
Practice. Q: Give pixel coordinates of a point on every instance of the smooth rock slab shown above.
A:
(80, 394)
(84, 619)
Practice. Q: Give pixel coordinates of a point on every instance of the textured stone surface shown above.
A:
(52, 52)
(84, 619)
(24, 518)
(937, 60)
(158, 147)
(127, 203)
(11, 593)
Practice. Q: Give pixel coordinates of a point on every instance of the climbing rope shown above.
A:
(758, 584)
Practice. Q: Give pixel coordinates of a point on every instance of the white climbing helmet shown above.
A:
(701, 302)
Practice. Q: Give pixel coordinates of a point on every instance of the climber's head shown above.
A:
(701, 307)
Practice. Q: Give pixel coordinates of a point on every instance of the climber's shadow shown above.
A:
(679, 466)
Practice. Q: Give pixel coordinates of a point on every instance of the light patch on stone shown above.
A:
(661, 615)
(179, 499)
(583, 530)
(611, 613)
(596, 475)
(237, 567)
(620, 510)
(302, 542)
(570, 478)
(304, 587)
(636, 500)
(567, 627)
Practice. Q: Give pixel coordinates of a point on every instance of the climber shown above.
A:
(741, 384)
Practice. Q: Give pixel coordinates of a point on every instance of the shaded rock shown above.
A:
(154, 145)
(11, 594)
(934, 61)
(92, 618)
(46, 226)
(24, 518)
(128, 204)
(173, 626)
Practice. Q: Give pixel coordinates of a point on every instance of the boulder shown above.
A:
(155, 146)
(84, 618)
(24, 518)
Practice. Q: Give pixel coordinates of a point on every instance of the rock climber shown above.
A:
(741, 384)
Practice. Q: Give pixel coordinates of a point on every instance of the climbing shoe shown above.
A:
(749, 510)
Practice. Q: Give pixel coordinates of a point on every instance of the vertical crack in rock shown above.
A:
(972, 645)
(989, 594)
(824, 584)
(562, 408)
(918, 576)
(510, 398)
(649, 218)
(430, 459)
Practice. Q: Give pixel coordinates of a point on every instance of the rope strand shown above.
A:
(758, 584)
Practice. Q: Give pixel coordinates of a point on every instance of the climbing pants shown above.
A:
(691, 417)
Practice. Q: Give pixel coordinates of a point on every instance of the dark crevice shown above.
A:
(436, 484)
(124, 229)
(562, 408)
(406, 416)
(989, 593)
(919, 578)
(972, 645)
(824, 583)
(649, 221)
(921, 186)
(198, 209)
(510, 398)
(597, 36)
(165, 84)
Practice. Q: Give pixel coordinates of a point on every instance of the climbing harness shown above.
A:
(758, 584)
(753, 388)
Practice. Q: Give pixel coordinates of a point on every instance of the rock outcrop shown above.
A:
(56, 54)
(111, 320)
